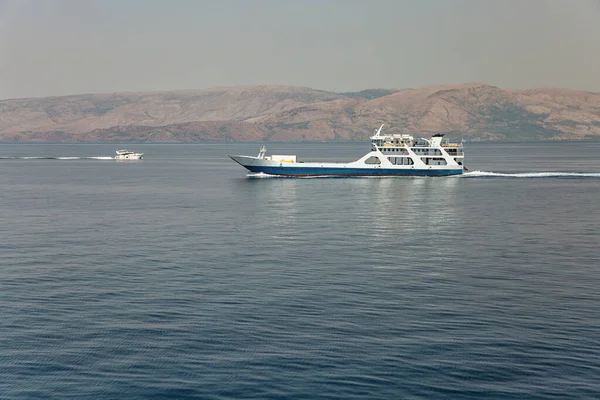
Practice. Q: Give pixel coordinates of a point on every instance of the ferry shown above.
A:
(128, 155)
(390, 155)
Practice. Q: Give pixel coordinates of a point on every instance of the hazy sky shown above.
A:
(57, 47)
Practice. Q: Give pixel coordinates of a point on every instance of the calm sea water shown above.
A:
(179, 277)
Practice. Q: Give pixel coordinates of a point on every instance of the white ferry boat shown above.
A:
(390, 155)
(128, 155)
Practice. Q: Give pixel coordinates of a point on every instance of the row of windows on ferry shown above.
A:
(423, 152)
(396, 141)
(409, 161)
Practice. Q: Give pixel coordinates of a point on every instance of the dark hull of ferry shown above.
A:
(349, 172)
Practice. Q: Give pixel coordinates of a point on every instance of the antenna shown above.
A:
(262, 152)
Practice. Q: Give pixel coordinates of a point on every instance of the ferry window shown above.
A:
(373, 160)
(434, 161)
(401, 160)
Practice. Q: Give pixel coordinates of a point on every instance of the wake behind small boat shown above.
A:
(390, 155)
(128, 155)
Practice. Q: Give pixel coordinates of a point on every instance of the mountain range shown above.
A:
(475, 111)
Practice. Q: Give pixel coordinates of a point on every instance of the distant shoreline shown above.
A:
(277, 113)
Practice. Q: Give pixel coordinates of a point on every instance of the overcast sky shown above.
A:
(57, 47)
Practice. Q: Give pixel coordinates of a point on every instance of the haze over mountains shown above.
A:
(476, 111)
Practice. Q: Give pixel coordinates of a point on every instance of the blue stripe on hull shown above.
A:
(324, 171)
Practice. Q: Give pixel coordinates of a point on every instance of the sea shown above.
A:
(180, 277)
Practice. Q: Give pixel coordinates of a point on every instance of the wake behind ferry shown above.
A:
(390, 155)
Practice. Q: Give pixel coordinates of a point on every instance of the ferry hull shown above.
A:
(324, 171)
(299, 170)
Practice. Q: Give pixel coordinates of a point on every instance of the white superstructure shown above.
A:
(405, 150)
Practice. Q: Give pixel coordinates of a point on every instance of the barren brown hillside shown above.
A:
(282, 113)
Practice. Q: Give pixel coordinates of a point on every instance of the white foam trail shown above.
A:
(478, 174)
(56, 158)
(260, 175)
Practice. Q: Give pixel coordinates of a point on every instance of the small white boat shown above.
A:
(390, 155)
(128, 155)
